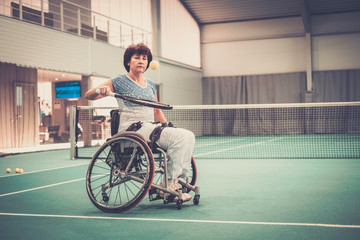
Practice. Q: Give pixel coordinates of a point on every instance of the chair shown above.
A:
(53, 131)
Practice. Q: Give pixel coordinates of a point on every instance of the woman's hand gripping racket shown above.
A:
(139, 101)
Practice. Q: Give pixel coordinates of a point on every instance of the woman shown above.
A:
(178, 142)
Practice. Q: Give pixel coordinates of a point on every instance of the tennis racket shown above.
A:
(139, 101)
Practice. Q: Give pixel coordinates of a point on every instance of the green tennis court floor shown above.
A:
(240, 199)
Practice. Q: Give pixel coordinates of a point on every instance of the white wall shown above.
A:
(105, 59)
(31, 45)
(336, 52)
(180, 34)
(278, 45)
(180, 84)
(254, 57)
(35, 46)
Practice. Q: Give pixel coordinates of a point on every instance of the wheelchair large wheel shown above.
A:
(193, 172)
(120, 174)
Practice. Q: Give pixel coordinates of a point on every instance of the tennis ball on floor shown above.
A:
(21, 171)
(17, 170)
(8, 170)
(154, 65)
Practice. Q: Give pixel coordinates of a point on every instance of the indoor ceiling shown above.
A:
(52, 76)
(219, 11)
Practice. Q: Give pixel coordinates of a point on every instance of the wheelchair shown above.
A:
(125, 169)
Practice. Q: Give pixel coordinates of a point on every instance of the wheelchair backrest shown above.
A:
(115, 120)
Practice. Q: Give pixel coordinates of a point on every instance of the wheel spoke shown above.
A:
(120, 174)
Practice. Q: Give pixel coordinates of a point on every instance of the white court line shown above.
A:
(216, 143)
(44, 170)
(242, 146)
(185, 220)
(46, 186)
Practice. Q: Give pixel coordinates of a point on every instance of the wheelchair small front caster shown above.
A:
(179, 204)
(196, 199)
(180, 201)
(105, 198)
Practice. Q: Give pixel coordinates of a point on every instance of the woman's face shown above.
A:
(138, 63)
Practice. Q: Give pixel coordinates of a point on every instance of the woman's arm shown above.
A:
(104, 89)
(158, 114)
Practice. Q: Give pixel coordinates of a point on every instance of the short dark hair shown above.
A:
(138, 49)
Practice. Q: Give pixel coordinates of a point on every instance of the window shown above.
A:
(19, 96)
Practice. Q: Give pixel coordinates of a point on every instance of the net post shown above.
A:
(73, 131)
(309, 96)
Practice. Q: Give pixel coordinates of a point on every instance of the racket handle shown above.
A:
(111, 94)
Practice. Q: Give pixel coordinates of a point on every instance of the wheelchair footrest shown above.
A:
(153, 195)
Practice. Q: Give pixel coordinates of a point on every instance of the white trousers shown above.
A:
(179, 145)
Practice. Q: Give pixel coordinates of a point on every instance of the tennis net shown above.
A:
(311, 130)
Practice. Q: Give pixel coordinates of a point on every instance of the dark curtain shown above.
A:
(336, 86)
(328, 86)
(255, 89)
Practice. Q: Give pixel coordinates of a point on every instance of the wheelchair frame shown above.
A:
(125, 164)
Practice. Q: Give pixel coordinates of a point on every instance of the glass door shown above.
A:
(25, 115)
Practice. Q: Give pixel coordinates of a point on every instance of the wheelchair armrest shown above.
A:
(154, 149)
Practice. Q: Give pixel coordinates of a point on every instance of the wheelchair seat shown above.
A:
(129, 132)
